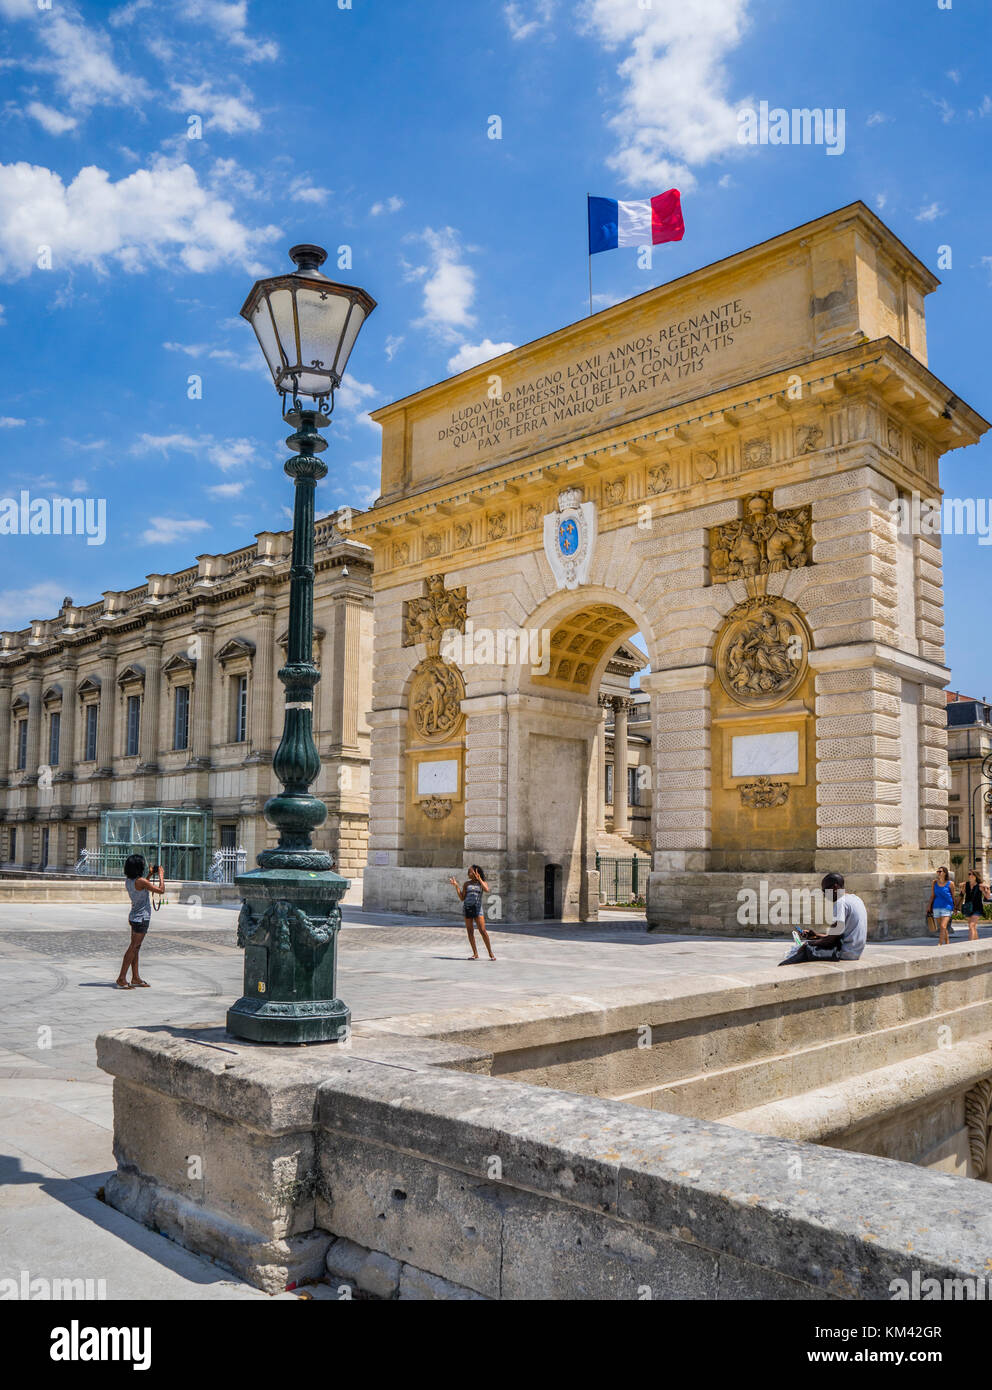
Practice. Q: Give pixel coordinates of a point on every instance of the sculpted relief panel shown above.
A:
(762, 541)
(762, 652)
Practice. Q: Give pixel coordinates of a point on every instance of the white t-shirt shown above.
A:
(850, 924)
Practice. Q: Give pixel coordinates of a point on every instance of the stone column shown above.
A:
(67, 731)
(621, 809)
(263, 677)
(203, 696)
(604, 704)
(107, 716)
(4, 731)
(151, 706)
(34, 728)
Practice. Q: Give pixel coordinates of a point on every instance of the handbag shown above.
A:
(931, 924)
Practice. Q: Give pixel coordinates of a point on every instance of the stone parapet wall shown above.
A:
(503, 1189)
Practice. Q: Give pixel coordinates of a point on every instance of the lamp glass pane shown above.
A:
(262, 324)
(348, 341)
(282, 311)
(322, 318)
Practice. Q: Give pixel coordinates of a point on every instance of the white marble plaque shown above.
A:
(438, 779)
(765, 755)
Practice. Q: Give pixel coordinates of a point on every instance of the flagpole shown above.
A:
(588, 196)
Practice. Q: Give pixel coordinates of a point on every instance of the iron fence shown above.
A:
(226, 864)
(622, 880)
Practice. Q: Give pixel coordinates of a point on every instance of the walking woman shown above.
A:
(976, 894)
(470, 894)
(139, 890)
(942, 903)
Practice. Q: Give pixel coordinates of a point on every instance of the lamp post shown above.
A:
(290, 916)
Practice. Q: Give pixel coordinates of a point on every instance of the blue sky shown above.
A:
(368, 126)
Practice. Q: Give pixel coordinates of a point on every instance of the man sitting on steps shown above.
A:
(844, 938)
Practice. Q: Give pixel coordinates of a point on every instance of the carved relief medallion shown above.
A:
(436, 695)
(762, 652)
(762, 541)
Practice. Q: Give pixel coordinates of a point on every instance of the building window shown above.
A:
(609, 784)
(22, 744)
(240, 709)
(133, 726)
(180, 726)
(13, 846)
(92, 716)
(229, 836)
(954, 829)
(633, 786)
(80, 840)
(54, 734)
(45, 840)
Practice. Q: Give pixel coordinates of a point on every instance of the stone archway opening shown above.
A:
(580, 774)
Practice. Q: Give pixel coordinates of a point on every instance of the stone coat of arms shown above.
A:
(570, 538)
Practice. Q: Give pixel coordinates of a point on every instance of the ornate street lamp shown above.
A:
(307, 326)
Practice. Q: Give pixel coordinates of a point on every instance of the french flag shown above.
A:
(647, 223)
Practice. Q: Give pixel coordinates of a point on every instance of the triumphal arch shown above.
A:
(725, 465)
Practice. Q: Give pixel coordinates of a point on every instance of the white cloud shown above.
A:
(165, 530)
(10, 422)
(233, 453)
(877, 118)
(353, 397)
(228, 19)
(673, 109)
(224, 454)
(449, 284)
(945, 108)
(227, 112)
(235, 176)
(880, 200)
(724, 181)
(524, 21)
(471, 354)
(82, 63)
(55, 122)
(393, 344)
(392, 204)
(152, 216)
(21, 606)
(954, 75)
(78, 485)
(304, 191)
(227, 490)
(930, 212)
(986, 107)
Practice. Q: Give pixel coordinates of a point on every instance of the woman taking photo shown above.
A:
(139, 890)
(942, 903)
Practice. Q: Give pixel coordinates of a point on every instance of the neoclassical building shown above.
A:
(726, 465)
(167, 696)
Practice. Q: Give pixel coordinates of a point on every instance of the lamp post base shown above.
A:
(309, 1021)
(288, 928)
